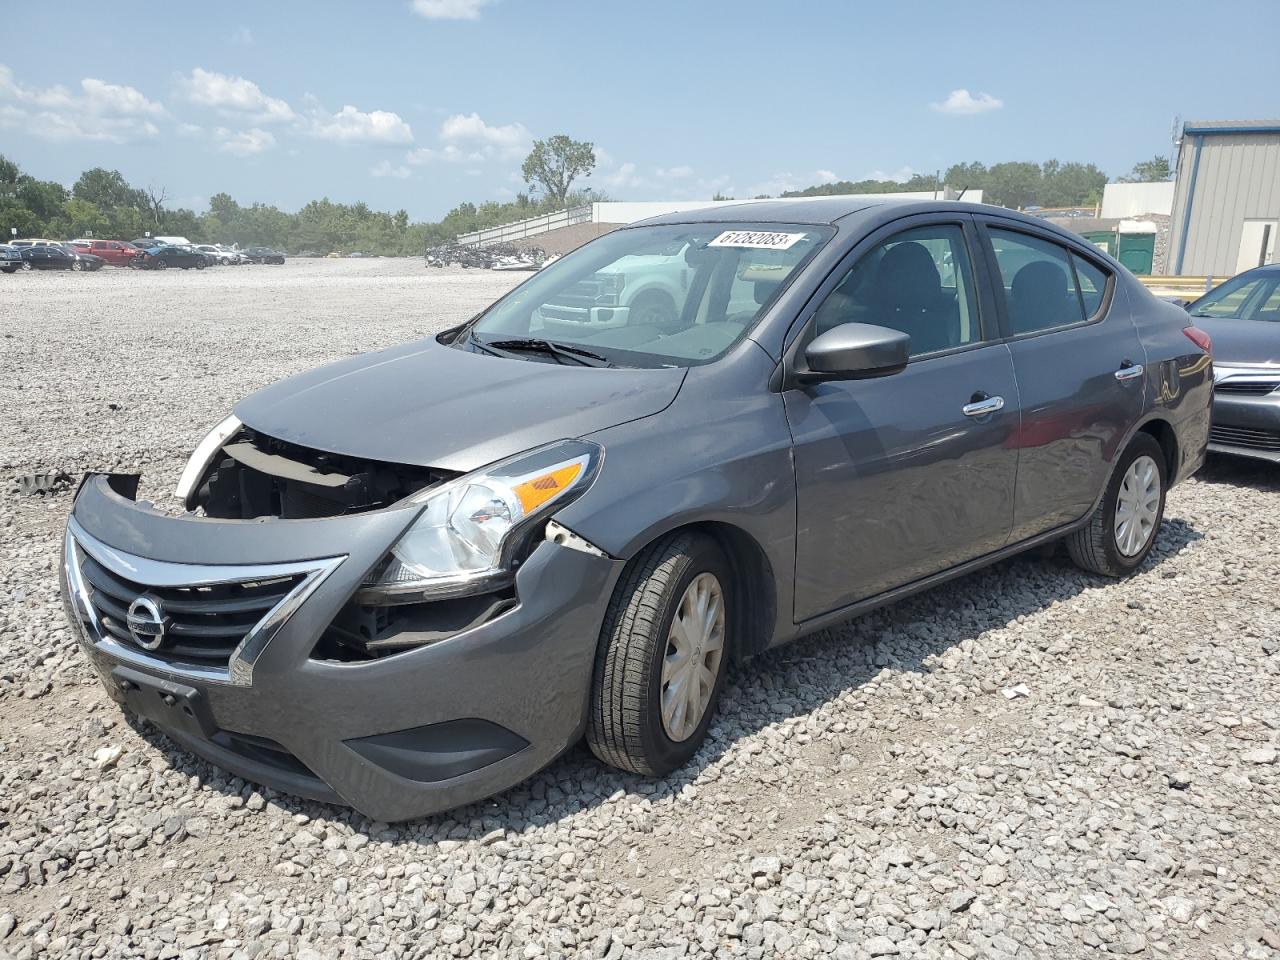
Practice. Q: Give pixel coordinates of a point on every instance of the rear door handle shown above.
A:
(1129, 371)
(980, 408)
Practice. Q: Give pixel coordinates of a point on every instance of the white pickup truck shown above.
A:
(633, 290)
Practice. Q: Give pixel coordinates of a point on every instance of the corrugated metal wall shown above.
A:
(1236, 178)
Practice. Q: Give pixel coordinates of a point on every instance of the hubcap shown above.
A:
(695, 647)
(1137, 506)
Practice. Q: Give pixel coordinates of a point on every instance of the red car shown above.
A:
(118, 253)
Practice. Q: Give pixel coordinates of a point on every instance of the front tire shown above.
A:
(77, 265)
(162, 265)
(1125, 523)
(664, 649)
(199, 264)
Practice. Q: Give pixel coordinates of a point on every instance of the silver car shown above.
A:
(409, 580)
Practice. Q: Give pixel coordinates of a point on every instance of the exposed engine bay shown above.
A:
(254, 475)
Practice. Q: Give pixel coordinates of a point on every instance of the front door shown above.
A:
(906, 475)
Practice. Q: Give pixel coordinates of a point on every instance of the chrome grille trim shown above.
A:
(156, 573)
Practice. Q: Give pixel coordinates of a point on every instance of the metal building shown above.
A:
(1226, 203)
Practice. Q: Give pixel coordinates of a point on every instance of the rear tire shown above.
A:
(1124, 526)
(26, 265)
(651, 661)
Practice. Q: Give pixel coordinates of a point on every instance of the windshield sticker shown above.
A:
(756, 240)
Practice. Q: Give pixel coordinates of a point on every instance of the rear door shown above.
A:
(1080, 369)
(906, 475)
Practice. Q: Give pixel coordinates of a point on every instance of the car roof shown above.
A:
(818, 210)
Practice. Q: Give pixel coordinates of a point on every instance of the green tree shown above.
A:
(1149, 171)
(553, 164)
(108, 190)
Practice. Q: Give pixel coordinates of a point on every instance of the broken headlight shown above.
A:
(466, 539)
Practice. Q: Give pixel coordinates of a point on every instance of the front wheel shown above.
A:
(162, 265)
(1124, 525)
(662, 656)
(77, 265)
(199, 264)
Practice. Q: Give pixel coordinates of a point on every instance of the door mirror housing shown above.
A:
(855, 351)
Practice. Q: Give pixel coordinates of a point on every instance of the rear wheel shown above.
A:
(1124, 525)
(26, 265)
(662, 657)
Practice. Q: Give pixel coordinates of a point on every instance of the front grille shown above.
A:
(1247, 388)
(1245, 437)
(205, 623)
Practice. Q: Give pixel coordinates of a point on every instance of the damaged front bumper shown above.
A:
(240, 673)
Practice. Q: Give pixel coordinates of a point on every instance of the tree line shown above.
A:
(1017, 184)
(102, 203)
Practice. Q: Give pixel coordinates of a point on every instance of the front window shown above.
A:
(669, 295)
(1246, 297)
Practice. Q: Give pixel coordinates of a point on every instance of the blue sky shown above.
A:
(422, 104)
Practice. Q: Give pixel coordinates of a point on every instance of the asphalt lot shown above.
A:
(870, 791)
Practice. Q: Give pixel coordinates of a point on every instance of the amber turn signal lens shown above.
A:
(537, 491)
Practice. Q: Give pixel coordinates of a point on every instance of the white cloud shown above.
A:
(962, 103)
(101, 111)
(681, 172)
(901, 175)
(449, 9)
(350, 125)
(234, 97)
(386, 169)
(470, 127)
(190, 129)
(826, 176)
(244, 143)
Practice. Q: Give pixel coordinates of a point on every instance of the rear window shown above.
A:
(1045, 286)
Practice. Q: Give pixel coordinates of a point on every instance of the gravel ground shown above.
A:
(1026, 763)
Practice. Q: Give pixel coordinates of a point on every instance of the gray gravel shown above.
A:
(869, 792)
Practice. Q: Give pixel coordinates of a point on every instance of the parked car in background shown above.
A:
(216, 255)
(264, 255)
(48, 257)
(84, 261)
(464, 553)
(232, 255)
(1243, 317)
(10, 258)
(161, 258)
(146, 243)
(118, 253)
(38, 242)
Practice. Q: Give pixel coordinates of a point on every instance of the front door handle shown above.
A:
(982, 407)
(1129, 371)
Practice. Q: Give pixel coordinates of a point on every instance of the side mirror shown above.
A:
(855, 351)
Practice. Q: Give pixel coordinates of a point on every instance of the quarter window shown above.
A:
(1039, 283)
(919, 281)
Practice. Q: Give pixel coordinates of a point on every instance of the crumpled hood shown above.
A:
(1242, 341)
(433, 406)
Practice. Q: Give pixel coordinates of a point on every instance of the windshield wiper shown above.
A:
(560, 351)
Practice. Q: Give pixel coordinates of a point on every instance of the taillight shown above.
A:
(1199, 338)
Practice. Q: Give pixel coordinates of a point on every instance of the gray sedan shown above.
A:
(408, 580)
(1243, 317)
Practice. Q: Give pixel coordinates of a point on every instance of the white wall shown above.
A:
(1120, 200)
(615, 211)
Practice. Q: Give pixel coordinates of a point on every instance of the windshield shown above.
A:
(1246, 297)
(669, 295)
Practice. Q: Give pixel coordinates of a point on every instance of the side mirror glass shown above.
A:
(856, 351)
